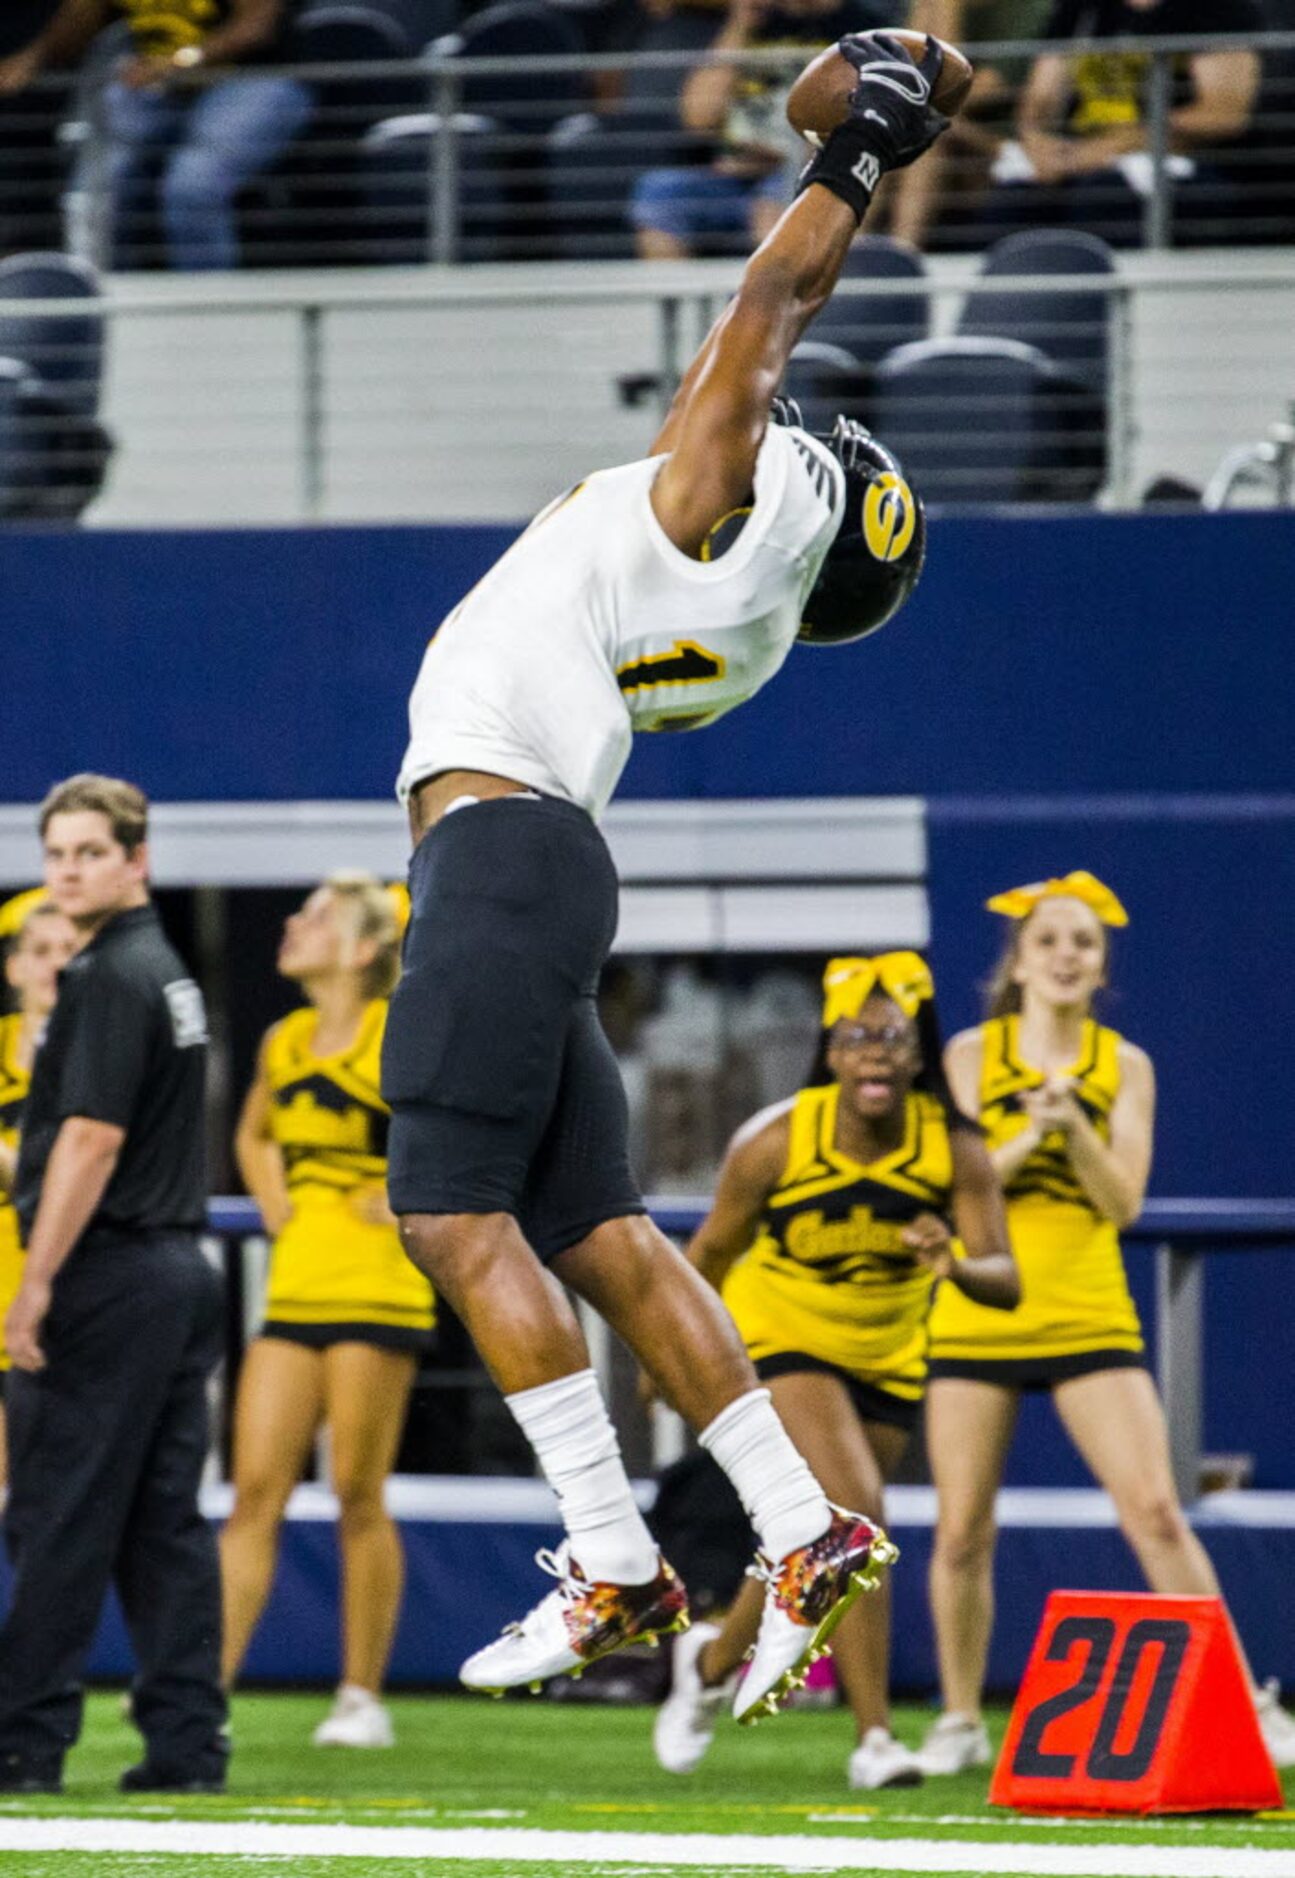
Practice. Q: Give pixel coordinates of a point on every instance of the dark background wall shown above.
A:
(1107, 692)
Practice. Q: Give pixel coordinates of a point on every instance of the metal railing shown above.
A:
(1181, 1233)
(468, 394)
(441, 158)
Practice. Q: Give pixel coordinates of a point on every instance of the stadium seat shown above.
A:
(52, 460)
(526, 106)
(65, 352)
(308, 207)
(325, 34)
(826, 380)
(18, 470)
(528, 102)
(400, 215)
(591, 166)
(868, 326)
(1070, 326)
(1260, 169)
(595, 159)
(977, 422)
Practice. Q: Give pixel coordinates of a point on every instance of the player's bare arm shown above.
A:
(717, 421)
(751, 1169)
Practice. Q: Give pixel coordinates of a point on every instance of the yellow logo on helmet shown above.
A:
(889, 517)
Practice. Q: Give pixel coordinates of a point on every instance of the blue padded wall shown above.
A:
(1093, 653)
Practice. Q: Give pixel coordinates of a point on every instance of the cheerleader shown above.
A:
(1068, 1109)
(346, 1313)
(834, 1217)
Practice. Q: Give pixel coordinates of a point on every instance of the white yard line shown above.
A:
(775, 1852)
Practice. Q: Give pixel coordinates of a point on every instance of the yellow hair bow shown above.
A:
(14, 913)
(398, 894)
(1019, 902)
(848, 984)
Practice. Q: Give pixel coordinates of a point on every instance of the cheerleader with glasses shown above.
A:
(835, 1215)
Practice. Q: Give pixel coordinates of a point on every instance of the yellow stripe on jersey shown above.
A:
(1075, 1296)
(14, 1084)
(329, 1264)
(829, 1275)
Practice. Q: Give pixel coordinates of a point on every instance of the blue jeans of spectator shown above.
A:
(687, 203)
(205, 144)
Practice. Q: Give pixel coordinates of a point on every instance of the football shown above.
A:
(819, 99)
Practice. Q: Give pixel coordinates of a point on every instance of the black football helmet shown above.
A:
(876, 560)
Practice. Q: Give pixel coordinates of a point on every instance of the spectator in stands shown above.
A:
(740, 194)
(346, 1312)
(38, 942)
(832, 1221)
(159, 109)
(1082, 155)
(1068, 1108)
(957, 171)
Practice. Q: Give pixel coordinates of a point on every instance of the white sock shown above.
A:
(567, 1424)
(783, 1500)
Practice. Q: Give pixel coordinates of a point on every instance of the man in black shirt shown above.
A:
(115, 1328)
(1083, 155)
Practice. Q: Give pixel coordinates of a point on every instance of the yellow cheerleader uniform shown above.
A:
(335, 1276)
(14, 1083)
(829, 1283)
(1075, 1313)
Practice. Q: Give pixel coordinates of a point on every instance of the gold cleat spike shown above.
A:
(535, 1687)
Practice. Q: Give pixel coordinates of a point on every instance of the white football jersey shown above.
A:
(594, 625)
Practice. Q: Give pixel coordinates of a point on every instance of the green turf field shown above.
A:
(472, 1781)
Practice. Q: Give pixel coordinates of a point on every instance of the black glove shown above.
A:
(891, 121)
(893, 96)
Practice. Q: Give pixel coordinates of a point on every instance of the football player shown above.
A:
(654, 596)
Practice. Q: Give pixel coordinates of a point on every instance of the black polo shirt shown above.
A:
(127, 1044)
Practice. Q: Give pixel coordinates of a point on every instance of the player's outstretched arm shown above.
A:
(717, 421)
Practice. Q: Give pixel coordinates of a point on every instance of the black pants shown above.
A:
(106, 1448)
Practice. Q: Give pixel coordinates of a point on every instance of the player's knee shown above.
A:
(463, 1253)
(435, 1242)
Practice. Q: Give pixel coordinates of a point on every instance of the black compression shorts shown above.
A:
(504, 1092)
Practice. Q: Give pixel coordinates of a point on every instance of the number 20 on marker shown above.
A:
(1133, 1703)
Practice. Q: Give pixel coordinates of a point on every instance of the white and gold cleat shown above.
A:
(809, 1592)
